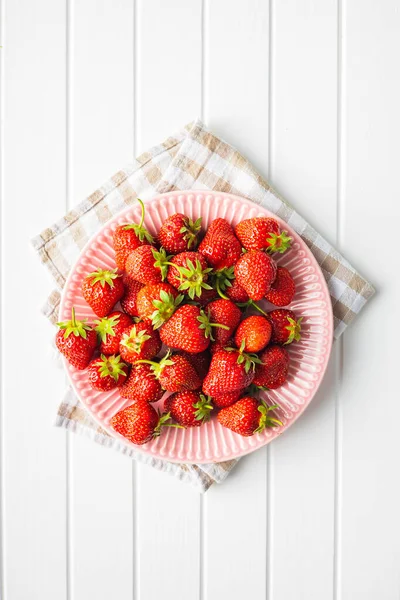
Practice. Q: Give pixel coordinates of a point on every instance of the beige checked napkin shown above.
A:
(194, 158)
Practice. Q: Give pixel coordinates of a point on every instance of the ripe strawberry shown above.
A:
(200, 361)
(283, 288)
(220, 247)
(255, 272)
(227, 313)
(157, 302)
(140, 422)
(147, 265)
(188, 329)
(109, 330)
(255, 331)
(102, 290)
(220, 226)
(273, 370)
(128, 237)
(128, 300)
(216, 346)
(285, 328)
(262, 233)
(206, 296)
(139, 341)
(142, 385)
(230, 370)
(189, 409)
(76, 341)
(248, 416)
(107, 372)
(179, 233)
(175, 373)
(236, 293)
(227, 399)
(188, 272)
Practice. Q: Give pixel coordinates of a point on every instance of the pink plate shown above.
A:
(309, 357)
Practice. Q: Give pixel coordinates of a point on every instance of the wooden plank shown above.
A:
(303, 169)
(100, 142)
(236, 99)
(168, 95)
(369, 545)
(34, 479)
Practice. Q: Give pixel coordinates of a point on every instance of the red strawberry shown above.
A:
(220, 226)
(206, 296)
(227, 313)
(255, 331)
(76, 341)
(109, 330)
(157, 302)
(102, 290)
(200, 361)
(128, 237)
(262, 233)
(216, 346)
(107, 372)
(175, 373)
(283, 288)
(188, 329)
(273, 371)
(255, 272)
(285, 327)
(139, 341)
(147, 265)
(227, 399)
(189, 409)
(220, 246)
(230, 370)
(179, 233)
(248, 416)
(140, 422)
(142, 385)
(128, 300)
(189, 272)
(236, 293)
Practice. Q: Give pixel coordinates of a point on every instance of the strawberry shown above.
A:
(283, 288)
(216, 346)
(102, 290)
(248, 416)
(200, 361)
(273, 370)
(230, 370)
(140, 422)
(157, 302)
(227, 313)
(147, 265)
(179, 233)
(109, 330)
(220, 247)
(236, 293)
(189, 272)
(262, 233)
(188, 408)
(128, 300)
(255, 331)
(285, 328)
(175, 373)
(107, 372)
(255, 272)
(139, 341)
(76, 341)
(188, 329)
(206, 296)
(142, 385)
(227, 399)
(128, 237)
(220, 226)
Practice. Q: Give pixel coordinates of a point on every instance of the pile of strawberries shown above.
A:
(193, 297)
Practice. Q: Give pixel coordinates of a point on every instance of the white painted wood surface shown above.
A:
(310, 92)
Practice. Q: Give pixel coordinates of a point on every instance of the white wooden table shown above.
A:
(310, 92)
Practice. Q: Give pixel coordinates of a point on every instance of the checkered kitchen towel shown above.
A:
(194, 158)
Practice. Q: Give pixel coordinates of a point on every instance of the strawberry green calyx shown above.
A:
(103, 276)
(157, 367)
(193, 278)
(134, 340)
(163, 421)
(111, 366)
(222, 280)
(265, 419)
(279, 242)
(165, 308)
(248, 360)
(251, 303)
(105, 327)
(161, 261)
(190, 231)
(77, 328)
(205, 324)
(294, 329)
(204, 408)
(139, 230)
